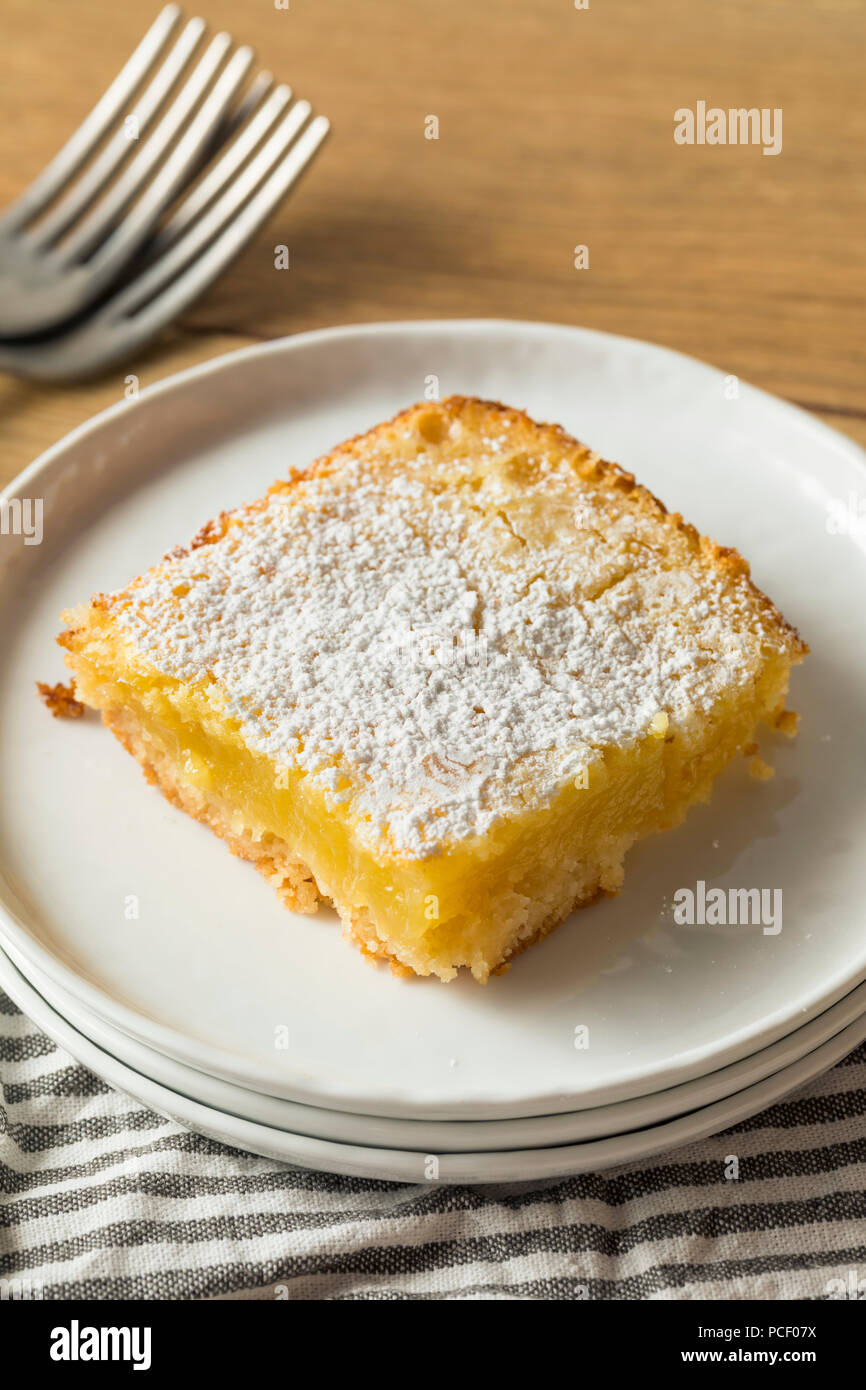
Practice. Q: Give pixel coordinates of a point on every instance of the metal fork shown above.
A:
(190, 261)
(45, 279)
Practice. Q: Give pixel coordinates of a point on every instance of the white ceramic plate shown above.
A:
(212, 966)
(408, 1165)
(443, 1136)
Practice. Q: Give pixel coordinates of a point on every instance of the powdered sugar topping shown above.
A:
(438, 646)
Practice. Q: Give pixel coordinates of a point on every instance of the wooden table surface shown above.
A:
(555, 130)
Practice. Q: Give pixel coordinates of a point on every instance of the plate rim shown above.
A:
(290, 341)
(643, 1081)
(542, 1131)
(403, 1165)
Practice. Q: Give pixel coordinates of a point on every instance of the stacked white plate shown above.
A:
(134, 939)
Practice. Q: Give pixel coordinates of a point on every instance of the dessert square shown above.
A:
(443, 679)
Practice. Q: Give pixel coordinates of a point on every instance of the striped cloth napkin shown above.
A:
(104, 1199)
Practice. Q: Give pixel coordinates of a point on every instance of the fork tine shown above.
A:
(222, 172)
(230, 123)
(93, 229)
(253, 96)
(112, 333)
(133, 229)
(227, 210)
(94, 179)
(181, 275)
(56, 175)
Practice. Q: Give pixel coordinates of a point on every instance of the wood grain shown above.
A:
(555, 129)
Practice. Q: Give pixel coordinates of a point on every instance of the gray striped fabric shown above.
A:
(104, 1199)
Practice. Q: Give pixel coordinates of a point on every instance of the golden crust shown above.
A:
(433, 418)
(539, 437)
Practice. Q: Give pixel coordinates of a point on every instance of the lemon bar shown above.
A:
(442, 679)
